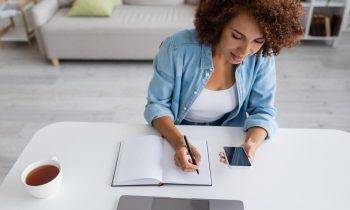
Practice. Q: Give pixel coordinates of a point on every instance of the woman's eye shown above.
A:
(260, 41)
(237, 36)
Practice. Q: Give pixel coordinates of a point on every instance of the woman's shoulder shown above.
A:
(185, 37)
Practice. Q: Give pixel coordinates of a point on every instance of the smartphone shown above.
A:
(236, 156)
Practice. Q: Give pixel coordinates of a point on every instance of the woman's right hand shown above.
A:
(183, 160)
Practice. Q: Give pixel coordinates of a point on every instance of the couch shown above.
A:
(133, 32)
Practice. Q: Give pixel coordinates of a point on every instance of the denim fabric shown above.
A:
(183, 67)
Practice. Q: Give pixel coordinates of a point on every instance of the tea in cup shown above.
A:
(43, 178)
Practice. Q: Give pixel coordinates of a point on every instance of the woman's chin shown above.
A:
(235, 62)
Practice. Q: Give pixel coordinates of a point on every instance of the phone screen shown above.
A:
(236, 156)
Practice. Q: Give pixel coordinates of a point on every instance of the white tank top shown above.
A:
(211, 105)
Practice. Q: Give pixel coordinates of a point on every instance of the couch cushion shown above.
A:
(153, 2)
(102, 8)
(68, 3)
(132, 32)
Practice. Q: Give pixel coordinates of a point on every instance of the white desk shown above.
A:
(298, 169)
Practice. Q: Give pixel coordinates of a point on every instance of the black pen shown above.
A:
(190, 151)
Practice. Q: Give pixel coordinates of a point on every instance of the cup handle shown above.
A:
(54, 158)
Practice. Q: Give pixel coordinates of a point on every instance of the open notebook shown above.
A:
(149, 160)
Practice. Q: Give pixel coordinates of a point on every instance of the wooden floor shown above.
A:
(313, 92)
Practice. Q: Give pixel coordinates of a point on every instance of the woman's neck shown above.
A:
(220, 61)
(221, 64)
(223, 76)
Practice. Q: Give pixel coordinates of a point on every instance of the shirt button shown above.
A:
(207, 74)
(185, 108)
(195, 92)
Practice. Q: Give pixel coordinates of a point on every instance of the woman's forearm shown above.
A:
(165, 126)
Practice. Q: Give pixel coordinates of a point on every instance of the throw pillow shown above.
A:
(68, 3)
(153, 2)
(101, 8)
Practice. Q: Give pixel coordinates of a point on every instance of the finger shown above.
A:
(181, 154)
(185, 162)
(189, 170)
(196, 155)
(250, 157)
(250, 153)
(177, 162)
(190, 165)
(223, 160)
(180, 162)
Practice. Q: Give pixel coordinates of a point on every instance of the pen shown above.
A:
(190, 151)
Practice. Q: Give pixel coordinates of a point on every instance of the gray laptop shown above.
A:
(130, 202)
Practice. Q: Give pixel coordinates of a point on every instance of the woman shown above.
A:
(222, 72)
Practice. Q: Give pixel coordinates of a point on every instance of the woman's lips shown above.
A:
(236, 58)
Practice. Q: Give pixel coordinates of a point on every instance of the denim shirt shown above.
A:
(183, 67)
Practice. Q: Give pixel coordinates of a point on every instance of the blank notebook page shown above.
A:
(135, 162)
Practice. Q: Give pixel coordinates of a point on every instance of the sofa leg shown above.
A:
(55, 62)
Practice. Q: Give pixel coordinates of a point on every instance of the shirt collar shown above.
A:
(206, 57)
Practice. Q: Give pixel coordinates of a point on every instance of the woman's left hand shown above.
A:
(254, 138)
(249, 148)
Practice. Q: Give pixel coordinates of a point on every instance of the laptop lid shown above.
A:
(130, 202)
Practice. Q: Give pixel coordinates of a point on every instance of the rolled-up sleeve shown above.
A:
(162, 84)
(261, 111)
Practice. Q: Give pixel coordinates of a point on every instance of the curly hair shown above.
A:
(280, 21)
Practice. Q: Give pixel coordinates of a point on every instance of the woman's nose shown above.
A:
(245, 50)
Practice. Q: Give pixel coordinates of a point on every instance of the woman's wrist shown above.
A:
(168, 130)
(179, 142)
(253, 142)
(255, 136)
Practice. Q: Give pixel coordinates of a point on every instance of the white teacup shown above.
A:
(42, 185)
